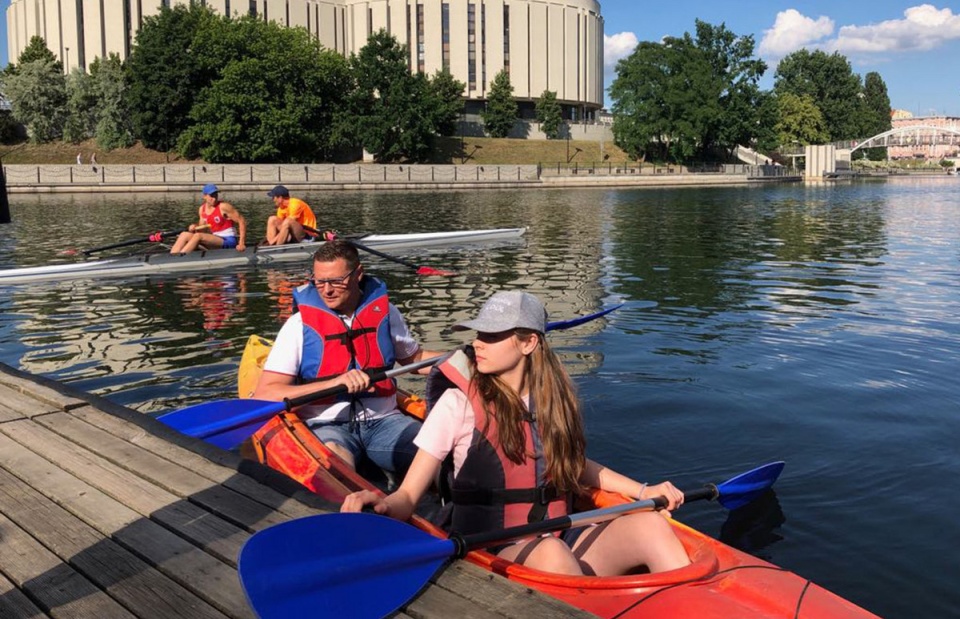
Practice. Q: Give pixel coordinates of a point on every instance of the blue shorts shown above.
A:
(229, 242)
(386, 441)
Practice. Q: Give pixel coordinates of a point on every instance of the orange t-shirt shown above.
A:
(299, 210)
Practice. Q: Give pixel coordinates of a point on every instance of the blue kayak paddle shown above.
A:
(227, 423)
(366, 565)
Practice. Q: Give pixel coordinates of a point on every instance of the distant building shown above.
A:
(900, 114)
(947, 147)
(552, 45)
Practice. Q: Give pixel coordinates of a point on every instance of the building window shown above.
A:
(226, 9)
(421, 53)
(506, 39)
(409, 38)
(253, 8)
(472, 46)
(369, 23)
(483, 45)
(308, 19)
(445, 26)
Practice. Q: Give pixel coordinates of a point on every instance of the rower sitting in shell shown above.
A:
(222, 221)
(294, 218)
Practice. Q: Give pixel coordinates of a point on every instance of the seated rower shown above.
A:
(215, 229)
(512, 424)
(293, 216)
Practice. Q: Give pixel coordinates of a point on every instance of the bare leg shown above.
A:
(182, 240)
(617, 546)
(284, 234)
(296, 230)
(549, 554)
(209, 241)
(273, 228)
(344, 453)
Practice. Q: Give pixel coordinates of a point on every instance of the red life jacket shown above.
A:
(216, 220)
(330, 348)
(490, 491)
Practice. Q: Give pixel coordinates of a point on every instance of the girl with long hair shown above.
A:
(510, 423)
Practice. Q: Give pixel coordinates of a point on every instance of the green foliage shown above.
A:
(832, 85)
(36, 49)
(165, 75)
(113, 129)
(800, 121)
(9, 128)
(81, 110)
(275, 100)
(875, 113)
(688, 96)
(38, 97)
(500, 114)
(946, 163)
(549, 114)
(392, 113)
(445, 102)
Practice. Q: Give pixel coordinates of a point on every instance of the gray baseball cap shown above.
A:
(508, 310)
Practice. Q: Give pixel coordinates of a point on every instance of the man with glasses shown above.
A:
(346, 326)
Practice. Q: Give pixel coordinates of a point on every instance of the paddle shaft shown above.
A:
(370, 250)
(271, 409)
(466, 543)
(153, 237)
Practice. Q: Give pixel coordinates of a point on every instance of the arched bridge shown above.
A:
(914, 135)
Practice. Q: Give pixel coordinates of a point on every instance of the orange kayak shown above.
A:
(720, 582)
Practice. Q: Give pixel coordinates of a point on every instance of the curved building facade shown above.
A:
(552, 45)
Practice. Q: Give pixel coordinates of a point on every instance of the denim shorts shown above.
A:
(386, 441)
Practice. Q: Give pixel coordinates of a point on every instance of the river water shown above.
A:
(811, 324)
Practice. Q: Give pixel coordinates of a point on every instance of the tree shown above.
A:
(81, 108)
(500, 114)
(393, 114)
(875, 112)
(113, 129)
(832, 85)
(36, 49)
(165, 76)
(38, 98)
(549, 114)
(275, 102)
(688, 95)
(800, 120)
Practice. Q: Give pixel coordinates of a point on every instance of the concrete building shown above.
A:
(552, 45)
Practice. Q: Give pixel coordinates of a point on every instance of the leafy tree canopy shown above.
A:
(81, 109)
(113, 128)
(801, 121)
(549, 114)
(500, 114)
(36, 49)
(830, 82)
(38, 96)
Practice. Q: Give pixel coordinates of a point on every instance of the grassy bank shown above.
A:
(474, 151)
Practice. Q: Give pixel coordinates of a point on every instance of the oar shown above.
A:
(365, 565)
(421, 270)
(227, 423)
(156, 237)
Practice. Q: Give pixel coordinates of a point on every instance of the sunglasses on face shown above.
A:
(334, 282)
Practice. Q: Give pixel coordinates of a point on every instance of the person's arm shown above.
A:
(200, 221)
(408, 350)
(234, 215)
(400, 504)
(598, 476)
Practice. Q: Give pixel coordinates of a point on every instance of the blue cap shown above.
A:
(210, 189)
(279, 192)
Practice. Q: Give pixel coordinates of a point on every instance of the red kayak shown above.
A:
(720, 582)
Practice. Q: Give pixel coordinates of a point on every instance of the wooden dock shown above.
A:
(106, 512)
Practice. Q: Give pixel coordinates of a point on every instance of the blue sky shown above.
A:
(915, 47)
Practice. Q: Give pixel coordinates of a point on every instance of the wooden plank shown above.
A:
(34, 389)
(508, 599)
(15, 605)
(172, 477)
(202, 466)
(128, 579)
(57, 587)
(211, 579)
(217, 536)
(15, 404)
(438, 603)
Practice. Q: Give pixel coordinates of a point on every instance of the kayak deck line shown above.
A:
(222, 258)
(129, 517)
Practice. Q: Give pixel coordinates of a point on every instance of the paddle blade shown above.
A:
(573, 322)
(432, 271)
(224, 423)
(745, 487)
(338, 565)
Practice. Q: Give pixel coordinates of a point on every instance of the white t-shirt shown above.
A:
(287, 351)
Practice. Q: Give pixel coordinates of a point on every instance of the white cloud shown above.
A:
(617, 46)
(791, 31)
(923, 28)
